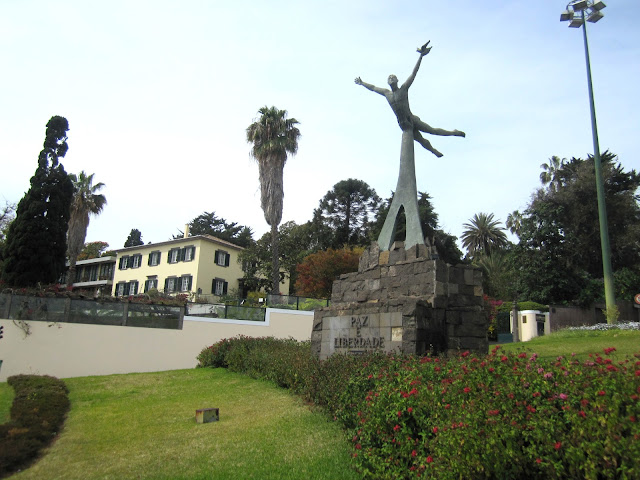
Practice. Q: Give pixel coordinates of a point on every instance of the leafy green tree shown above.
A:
(445, 243)
(558, 256)
(317, 271)
(483, 235)
(295, 243)
(274, 136)
(347, 211)
(36, 241)
(93, 250)
(86, 201)
(208, 223)
(134, 239)
(7, 215)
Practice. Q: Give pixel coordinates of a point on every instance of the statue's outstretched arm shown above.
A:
(371, 87)
(424, 50)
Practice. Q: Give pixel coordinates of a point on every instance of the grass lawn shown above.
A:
(580, 342)
(142, 426)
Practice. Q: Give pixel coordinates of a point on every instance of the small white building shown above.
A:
(531, 324)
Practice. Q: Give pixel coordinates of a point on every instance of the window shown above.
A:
(150, 283)
(174, 255)
(93, 273)
(127, 288)
(106, 271)
(219, 286)
(185, 283)
(188, 253)
(154, 259)
(170, 284)
(123, 264)
(136, 260)
(221, 258)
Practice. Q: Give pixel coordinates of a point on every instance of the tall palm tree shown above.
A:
(514, 222)
(85, 201)
(483, 234)
(273, 136)
(552, 173)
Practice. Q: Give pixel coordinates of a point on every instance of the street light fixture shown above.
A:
(576, 13)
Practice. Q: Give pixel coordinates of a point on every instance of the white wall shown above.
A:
(75, 350)
(528, 325)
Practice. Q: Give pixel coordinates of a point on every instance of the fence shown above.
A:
(563, 317)
(21, 308)
(211, 310)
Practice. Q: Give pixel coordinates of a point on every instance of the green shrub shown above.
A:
(508, 306)
(37, 414)
(489, 416)
(501, 416)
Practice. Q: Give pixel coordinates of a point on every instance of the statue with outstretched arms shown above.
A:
(398, 98)
(405, 195)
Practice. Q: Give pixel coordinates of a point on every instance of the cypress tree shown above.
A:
(36, 241)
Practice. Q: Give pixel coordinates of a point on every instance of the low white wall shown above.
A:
(76, 350)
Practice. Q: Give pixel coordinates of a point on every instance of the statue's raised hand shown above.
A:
(424, 49)
(358, 81)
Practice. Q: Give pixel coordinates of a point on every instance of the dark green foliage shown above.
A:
(559, 258)
(134, 239)
(528, 305)
(36, 241)
(295, 242)
(37, 414)
(207, 223)
(445, 243)
(345, 214)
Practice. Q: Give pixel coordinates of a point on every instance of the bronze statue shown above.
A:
(411, 126)
(398, 98)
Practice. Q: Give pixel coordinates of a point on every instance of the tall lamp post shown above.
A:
(579, 12)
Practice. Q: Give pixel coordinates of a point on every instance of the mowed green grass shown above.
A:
(142, 426)
(579, 342)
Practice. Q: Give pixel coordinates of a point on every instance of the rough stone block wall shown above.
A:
(441, 305)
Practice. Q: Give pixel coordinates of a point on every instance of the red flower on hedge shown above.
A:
(602, 393)
(467, 389)
(429, 459)
(396, 428)
(414, 453)
(558, 445)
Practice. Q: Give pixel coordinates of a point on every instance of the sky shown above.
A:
(158, 95)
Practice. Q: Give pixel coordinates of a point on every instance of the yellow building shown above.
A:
(201, 264)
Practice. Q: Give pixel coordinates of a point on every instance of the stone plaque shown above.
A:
(396, 334)
(356, 334)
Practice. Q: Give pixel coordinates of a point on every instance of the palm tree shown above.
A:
(552, 173)
(273, 136)
(483, 235)
(85, 201)
(514, 222)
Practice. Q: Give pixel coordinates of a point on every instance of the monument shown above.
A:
(403, 298)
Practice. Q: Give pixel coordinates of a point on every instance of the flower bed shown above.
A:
(494, 416)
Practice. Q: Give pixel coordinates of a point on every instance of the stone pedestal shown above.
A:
(404, 301)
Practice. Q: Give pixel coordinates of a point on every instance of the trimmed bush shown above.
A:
(37, 414)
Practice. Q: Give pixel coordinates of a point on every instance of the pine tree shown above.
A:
(36, 241)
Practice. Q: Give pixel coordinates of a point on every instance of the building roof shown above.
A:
(208, 238)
